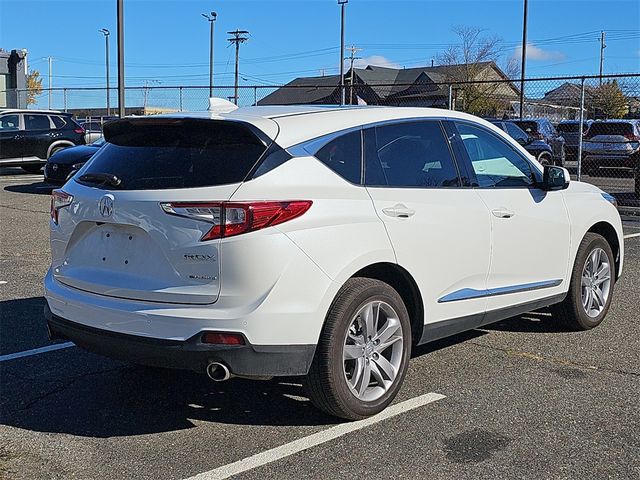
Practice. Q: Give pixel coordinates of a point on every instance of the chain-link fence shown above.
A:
(587, 124)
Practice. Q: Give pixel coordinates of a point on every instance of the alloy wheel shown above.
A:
(373, 350)
(596, 282)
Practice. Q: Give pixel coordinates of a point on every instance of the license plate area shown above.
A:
(117, 247)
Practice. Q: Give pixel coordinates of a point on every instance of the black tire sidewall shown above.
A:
(382, 292)
(589, 243)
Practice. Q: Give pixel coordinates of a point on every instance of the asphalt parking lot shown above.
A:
(518, 399)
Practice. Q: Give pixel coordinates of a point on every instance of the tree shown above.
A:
(34, 86)
(609, 101)
(468, 62)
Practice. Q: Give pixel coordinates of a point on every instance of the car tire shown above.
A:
(583, 308)
(34, 168)
(545, 159)
(347, 351)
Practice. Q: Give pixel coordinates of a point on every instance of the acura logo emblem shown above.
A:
(105, 205)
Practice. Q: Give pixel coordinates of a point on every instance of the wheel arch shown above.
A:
(606, 230)
(404, 283)
(59, 143)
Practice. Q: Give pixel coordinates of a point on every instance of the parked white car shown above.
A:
(318, 241)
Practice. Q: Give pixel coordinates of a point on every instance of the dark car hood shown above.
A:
(73, 155)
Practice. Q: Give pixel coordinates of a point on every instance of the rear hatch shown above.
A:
(129, 231)
(611, 138)
(570, 132)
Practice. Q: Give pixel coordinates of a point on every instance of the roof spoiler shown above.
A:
(220, 105)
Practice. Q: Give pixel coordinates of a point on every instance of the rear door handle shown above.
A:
(503, 212)
(399, 211)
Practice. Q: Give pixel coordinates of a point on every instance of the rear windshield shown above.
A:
(169, 153)
(610, 128)
(527, 126)
(569, 127)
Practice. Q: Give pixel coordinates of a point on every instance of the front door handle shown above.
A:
(503, 212)
(399, 211)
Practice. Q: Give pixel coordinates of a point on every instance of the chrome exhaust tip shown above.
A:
(218, 372)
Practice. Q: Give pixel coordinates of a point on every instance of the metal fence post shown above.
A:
(450, 96)
(255, 96)
(579, 173)
(64, 93)
(180, 95)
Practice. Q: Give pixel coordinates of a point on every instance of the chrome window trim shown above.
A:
(472, 293)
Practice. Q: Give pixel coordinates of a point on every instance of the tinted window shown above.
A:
(344, 156)
(527, 126)
(169, 153)
(494, 162)
(9, 122)
(412, 154)
(516, 132)
(36, 122)
(569, 127)
(59, 122)
(92, 126)
(610, 128)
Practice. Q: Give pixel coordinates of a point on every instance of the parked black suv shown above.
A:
(29, 137)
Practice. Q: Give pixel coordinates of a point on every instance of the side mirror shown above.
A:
(555, 178)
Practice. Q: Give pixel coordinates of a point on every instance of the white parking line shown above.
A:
(3, 282)
(319, 438)
(632, 235)
(36, 351)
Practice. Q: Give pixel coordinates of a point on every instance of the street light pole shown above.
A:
(211, 17)
(524, 56)
(121, 99)
(106, 34)
(343, 4)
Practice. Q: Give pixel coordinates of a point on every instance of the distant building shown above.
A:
(13, 77)
(421, 86)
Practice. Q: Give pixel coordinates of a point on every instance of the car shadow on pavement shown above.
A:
(540, 321)
(38, 188)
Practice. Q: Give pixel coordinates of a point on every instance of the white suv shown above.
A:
(318, 241)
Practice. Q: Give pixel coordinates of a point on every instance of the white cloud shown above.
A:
(537, 53)
(377, 60)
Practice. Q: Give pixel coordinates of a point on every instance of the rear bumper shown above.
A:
(595, 160)
(190, 354)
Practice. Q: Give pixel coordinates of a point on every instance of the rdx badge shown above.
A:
(199, 257)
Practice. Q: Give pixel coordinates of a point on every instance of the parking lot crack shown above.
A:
(62, 386)
(21, 209)
(552, 360)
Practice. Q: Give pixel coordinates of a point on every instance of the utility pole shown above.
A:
(50, 78)
(121, 99)
(343, 4)
(239, 36)
(211, 17)
(352, 58)
(602, 47)
(524, 56)
(106, 34)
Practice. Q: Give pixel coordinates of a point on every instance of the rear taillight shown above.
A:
(79, 130)
(223, 338)
(59, 199)
(631, 137)
(235, 218)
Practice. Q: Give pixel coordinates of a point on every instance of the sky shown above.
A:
(167, 41)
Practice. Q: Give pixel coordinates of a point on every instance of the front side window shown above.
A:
(36, 122)
(9, 122)
(344, 156)
(494, 162)
(409, 154)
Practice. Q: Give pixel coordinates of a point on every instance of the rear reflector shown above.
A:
(234, 218)
(223, 338)
(59, 199)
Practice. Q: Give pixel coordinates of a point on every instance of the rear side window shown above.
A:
(36, 122)
(410, 154)
(610, 128)
(529, 127)
(59, 122)
(344, 156)
(170, 153)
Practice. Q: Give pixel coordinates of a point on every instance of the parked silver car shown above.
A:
(612, 147)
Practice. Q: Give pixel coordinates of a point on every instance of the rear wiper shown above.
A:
(99, 177)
